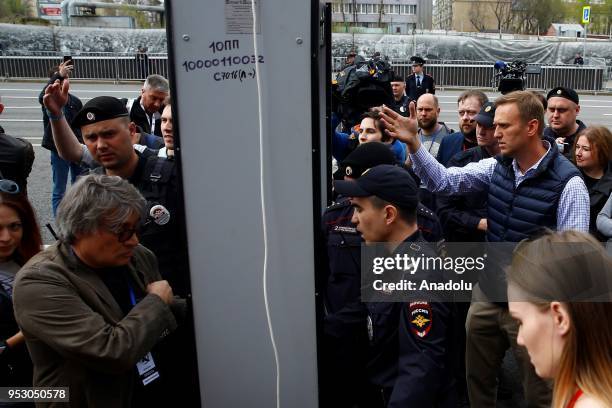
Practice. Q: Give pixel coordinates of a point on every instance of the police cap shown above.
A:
(416, 60)
(387, 182)
(366, 155)
(563, 92)
(486, 115)
(98, 109)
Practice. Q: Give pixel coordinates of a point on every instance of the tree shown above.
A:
(477, 17)
(535, 16)
(12, 11)
(502, 10)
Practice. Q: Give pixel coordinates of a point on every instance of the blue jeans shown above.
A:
(59, 171)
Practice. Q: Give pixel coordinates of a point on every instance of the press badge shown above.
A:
(146, 369)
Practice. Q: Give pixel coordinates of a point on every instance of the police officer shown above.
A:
(107, 133)
(400, 100)
(419, 83)
(410, 345)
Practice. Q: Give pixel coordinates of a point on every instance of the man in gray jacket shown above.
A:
(93, 305)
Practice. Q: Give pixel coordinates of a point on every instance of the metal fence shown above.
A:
(480, 74)
(465, 74)
(94, 66)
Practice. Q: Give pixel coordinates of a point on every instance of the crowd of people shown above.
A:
(504, 177)
(104, 310)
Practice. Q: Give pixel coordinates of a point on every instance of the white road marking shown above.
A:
(21, 120)
(71, 89)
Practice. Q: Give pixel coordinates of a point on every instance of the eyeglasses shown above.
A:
(125, 233)
(9, 186)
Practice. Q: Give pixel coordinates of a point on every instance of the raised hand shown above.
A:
(56, 96)
(65, 68)
(405, 129)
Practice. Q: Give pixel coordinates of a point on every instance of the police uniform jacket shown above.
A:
(155, 179)
(460, 215)
(411, 348)
(76, 332)
(428, 85)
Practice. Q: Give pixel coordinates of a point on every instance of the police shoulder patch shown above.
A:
(420, 318)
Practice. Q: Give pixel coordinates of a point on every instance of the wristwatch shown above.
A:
(4, 347)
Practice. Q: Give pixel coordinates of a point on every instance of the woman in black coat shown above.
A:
(593, 155)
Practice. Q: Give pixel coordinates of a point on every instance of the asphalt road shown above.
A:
(22, 117)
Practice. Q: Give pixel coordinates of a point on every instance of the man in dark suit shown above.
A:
(419, 83)
(145, 111)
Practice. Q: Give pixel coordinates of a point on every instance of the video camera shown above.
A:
(511, 76)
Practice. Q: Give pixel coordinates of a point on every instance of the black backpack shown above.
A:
(16, 159)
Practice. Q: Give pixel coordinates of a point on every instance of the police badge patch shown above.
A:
(420, 318)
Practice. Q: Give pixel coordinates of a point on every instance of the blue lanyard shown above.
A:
(132, 295)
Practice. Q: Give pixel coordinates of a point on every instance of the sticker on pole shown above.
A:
(586, 14)
(239, 17)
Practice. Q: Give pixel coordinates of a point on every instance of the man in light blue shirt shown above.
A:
(530, 186)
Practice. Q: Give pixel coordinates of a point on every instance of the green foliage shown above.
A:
(140, 18)
(534, 15)
(601, 15)
(12, 11)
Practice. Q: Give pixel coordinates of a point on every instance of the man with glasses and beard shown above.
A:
(469, 104)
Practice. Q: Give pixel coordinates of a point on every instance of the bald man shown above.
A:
(431, 132)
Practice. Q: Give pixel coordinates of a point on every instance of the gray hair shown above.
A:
(157, 83)
(94, 201)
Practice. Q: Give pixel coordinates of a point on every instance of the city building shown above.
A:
(481, 15)
(381, 16)
(566, 30)
(442, 18)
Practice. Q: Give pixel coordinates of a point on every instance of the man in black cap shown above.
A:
(107, 133)
(344, 339)
(464, 218)
(419, 83)
(409, 358)
(562, 110)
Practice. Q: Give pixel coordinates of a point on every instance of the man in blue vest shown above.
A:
(530, 186)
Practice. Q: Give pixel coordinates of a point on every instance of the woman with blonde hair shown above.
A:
(562, 302)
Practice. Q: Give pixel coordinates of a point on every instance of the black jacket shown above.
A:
(141, 119)
(71, 109)
(428, 85)
(598, 195)
(568, 152)
(460, 214)
(16, 159)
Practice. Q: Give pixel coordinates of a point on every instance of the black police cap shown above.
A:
(397, 78)
(365, 156)
(98, 109)
(390, 183)
(563, 92)
(416, 60)
(486, 115)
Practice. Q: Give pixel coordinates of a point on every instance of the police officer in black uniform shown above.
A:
(410, 344)
(419, 83)
(108, 133)
(345, 336)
